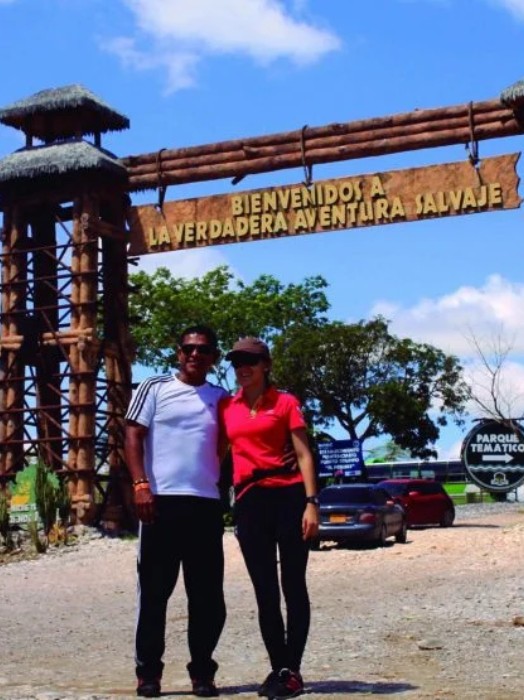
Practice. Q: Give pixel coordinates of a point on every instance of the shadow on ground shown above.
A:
(327, 688)
(348, 687)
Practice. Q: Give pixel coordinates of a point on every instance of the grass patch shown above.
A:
(454, 489)
(457, 491)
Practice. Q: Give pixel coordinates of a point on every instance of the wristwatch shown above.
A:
(313, 499)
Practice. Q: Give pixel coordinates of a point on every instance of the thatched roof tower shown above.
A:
(60, 118)
(62, 113)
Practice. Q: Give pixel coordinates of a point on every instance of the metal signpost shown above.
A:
(493, 455)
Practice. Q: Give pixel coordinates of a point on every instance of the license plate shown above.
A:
(337, 518)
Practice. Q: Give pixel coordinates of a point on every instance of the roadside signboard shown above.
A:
(23, 508)
(493, 455)
(23, 499)
(340, 458)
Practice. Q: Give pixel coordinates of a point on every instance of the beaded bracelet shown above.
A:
(141, 485)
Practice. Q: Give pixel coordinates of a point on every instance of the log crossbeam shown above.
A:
(409, 131)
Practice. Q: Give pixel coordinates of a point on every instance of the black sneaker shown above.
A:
(266, 686)
(148, 688)
(289, 684)
(204, 687)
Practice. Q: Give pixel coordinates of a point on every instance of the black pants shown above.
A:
(269, 519)
(186, 531)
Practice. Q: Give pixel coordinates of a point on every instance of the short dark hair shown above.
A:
(200, 329)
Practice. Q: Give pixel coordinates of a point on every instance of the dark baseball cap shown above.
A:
(249, 345)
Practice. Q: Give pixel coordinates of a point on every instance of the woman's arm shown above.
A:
(307, 468)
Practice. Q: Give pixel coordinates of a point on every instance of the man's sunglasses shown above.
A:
(203, 349)
(243, 360)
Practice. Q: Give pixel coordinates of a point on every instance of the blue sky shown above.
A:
(189, 73)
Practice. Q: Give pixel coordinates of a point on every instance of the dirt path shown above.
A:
(433, 618)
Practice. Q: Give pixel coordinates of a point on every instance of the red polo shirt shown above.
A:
(259, 438)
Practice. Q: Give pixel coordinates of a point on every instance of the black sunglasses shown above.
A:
(243, 360)
(203, 349)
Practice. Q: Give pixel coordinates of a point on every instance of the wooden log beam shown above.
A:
(327, 155)
(370, 137)
(171, 160)
(406, 119)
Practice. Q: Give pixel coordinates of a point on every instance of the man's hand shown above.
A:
(144, 504)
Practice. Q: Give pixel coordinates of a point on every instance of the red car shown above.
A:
(424, 500)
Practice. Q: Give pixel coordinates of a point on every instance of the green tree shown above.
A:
(371, 383)
(162, 306)
(387, 452)
(357, 375)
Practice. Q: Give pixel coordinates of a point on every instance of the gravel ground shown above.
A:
(437, 618)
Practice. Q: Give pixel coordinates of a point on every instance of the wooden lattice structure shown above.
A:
(64, 332)
(65, 350)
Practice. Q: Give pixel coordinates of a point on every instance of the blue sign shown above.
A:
(340, 458)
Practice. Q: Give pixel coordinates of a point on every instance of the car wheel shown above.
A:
(314, 544)
(402, 534)
(382, 540)
(448, 518)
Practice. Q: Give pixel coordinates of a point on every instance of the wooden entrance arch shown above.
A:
(66, 354)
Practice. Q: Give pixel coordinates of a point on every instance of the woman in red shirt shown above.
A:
(276, 507)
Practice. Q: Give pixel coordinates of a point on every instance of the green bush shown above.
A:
(45, 497)
(52, 499)
(5, 530)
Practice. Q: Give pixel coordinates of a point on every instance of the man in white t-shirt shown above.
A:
(171, 453)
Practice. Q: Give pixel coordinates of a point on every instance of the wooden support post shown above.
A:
(14, 271)
(82, 386)
(118, 510)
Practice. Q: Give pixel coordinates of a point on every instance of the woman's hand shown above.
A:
(310, 521)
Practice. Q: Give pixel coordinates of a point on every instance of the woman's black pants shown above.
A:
(269, 526)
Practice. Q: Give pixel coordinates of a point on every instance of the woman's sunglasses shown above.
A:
(243, 360)
(203, 349)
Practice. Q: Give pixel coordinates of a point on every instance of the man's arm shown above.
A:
(134, 450)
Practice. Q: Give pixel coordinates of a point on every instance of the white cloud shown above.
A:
(180, 67)
(490, 316)
(450, 321)
(184, 263)
(179, 34)
(509, 389)
(516, 7)
(450, 452)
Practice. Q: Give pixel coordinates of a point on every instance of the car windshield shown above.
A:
(349, 494)
(394, 489)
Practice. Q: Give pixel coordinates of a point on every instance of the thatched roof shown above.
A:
(57, 159)
(64, 112)
(513, 96)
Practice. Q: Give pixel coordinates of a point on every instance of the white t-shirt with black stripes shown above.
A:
(181, 445)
